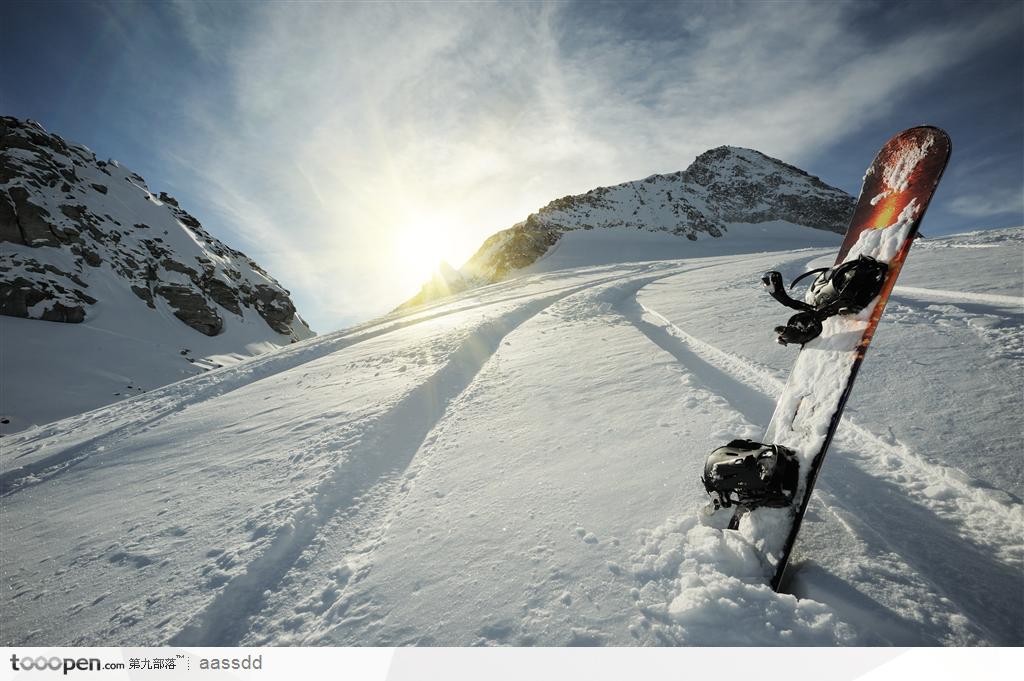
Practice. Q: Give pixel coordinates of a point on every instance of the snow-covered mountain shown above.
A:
(147, 295)
(519, 465)
(722, 187)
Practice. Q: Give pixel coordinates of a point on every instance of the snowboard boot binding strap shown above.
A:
(750, 475)
(844, 289)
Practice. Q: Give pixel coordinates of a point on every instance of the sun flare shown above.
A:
(421, 247)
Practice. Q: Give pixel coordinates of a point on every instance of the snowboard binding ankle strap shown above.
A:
(846, 288)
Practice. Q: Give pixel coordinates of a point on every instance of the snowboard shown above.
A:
(897, 188)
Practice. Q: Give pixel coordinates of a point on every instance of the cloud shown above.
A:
(332, 130)
(990, 203)
(786, 78)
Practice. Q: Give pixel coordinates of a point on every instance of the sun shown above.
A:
(420, 247)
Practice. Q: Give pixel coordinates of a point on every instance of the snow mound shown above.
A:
(704, 586)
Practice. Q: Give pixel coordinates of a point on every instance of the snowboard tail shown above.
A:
(897, 189)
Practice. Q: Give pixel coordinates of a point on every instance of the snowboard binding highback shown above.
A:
(844, 289)
(750, 475)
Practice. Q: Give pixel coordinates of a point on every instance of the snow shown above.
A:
(610, 245)
(714, 578)
(123, 348)
(897, 172)
(519, 465)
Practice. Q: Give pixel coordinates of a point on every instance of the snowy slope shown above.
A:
(108, 289)
(519, 465)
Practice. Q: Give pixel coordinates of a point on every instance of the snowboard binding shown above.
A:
(751, 475)
(844, 289)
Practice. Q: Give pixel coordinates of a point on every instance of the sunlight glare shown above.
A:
(420, 248)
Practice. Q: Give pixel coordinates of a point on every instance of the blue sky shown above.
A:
(346, 147)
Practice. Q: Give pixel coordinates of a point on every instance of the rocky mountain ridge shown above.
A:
(725, 185)
(72, 226)
(146, 295)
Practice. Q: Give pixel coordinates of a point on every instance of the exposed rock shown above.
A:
(61, 313)
(446, 280)
(91, 258)
(32, 219)
(9, 230)
(747, 186)
(191, 308)
(16, 134)
(76, 212)
(225, 296)
(519, 246)
(172, 265)
(18, 295)
(275, 307)
(145, 294)
(82, 296)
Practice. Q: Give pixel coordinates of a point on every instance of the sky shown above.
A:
(347, 147)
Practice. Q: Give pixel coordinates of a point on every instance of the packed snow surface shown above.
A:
(519, 465)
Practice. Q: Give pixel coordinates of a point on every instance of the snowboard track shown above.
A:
(384, 452)
(1015, 303)
(361, 532)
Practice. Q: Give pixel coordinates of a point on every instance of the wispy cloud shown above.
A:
(993, 202)
(336, 129)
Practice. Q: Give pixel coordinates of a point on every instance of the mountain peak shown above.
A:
(725, 185)
(726, 162)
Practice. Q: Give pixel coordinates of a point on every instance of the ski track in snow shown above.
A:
(386, 451)
(326, 602)
(997, 320)
(1013, 302)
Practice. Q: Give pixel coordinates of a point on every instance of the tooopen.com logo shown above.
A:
(65, 664)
